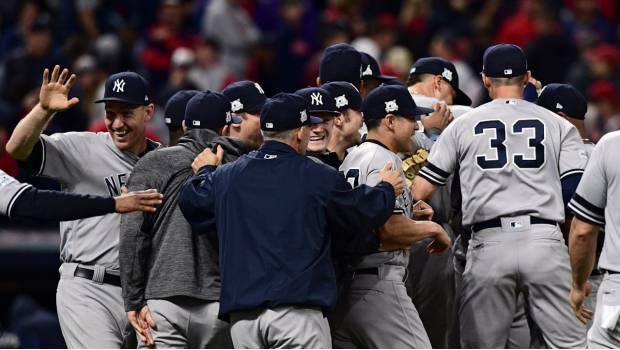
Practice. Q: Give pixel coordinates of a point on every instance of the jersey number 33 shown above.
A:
(497, 142)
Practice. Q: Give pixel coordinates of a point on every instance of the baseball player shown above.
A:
(246, 99)
(570, 104)
(514, 158)
(272, 207)
(434, 83)
(22, 201)
(171, 280)
(88, 298)
(378, 313)
(321, 104)
(345, 132)
(596, 204)
(371, 74)
(174, 112)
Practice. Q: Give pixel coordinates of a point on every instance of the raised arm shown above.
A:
(53, 98)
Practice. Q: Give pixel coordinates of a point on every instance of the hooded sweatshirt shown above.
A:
(160, 257)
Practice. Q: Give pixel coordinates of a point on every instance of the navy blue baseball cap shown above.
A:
(286, 112)
(504, 61)
(371, 69)
(563, 98)
(208, 110)
(318, 100)
(345, 95)
(341, 62)
(245, 97)
(128, 87)
(174, 112)
(391, 99)
(444, 68)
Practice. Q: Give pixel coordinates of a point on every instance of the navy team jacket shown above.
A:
(273, 208)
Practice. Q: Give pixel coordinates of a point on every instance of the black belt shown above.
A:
(368, 271)
(108, 278)
(497, 222)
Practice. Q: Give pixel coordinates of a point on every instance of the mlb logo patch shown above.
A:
(507, 71)
(269, 125)
(196, 122)
(515, 224)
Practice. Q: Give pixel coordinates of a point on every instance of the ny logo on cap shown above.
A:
(341, 101)
(260, 89)
(304, 116)
(391, 106)
(119, 85)
(447, 74)
(412, 70)
(316, 98)
(559, 106)
(236, 105)
(368, 71)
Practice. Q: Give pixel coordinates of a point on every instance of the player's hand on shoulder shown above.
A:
(54, 93)
(393, 177)
(441, 241)
(207, 157)
(422, 211)
(147, 200)
(439, 119)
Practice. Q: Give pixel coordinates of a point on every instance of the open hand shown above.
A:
(393, 177)
(54, 93)
(147, 200)
(207, 157)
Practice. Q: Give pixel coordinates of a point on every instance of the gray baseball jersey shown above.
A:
(88, 163)
(512, 155)
(362, 166)
(597, 198)
(10, 190)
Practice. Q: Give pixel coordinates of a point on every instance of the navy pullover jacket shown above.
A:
(273, 209)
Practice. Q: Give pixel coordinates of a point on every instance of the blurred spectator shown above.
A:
(605, 109)
(13, 38)
(230, 26)
(519, 29)
(397, 61)
(601, 62)
(585, 24)
(450, 47)
(182, 62)
(208, 72)
(89, 88)
(293, 47)
(550, 45)
(165, 36)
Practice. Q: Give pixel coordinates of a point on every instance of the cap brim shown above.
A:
(381, 78)
(461, 98)
(235, 119)
(117, 99)
(422, 111)
(314, 120)
(333, 113)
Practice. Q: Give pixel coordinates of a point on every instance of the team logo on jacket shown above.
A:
(391, 106)
(236, 105)
(119, 85)
(341, 101)
(447, 74)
